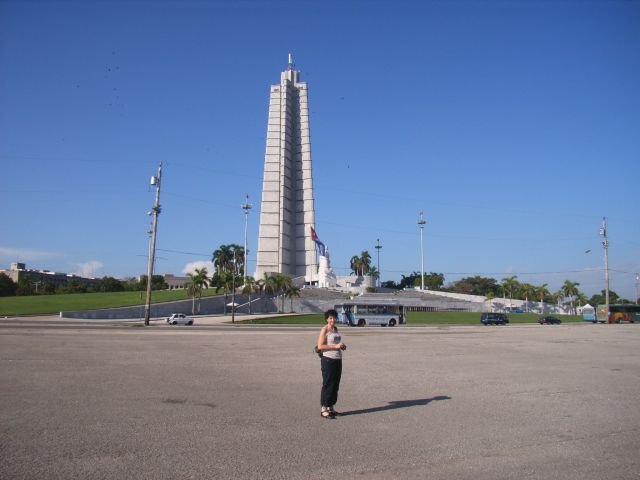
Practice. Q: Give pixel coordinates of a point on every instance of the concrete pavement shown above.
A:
(481, 403)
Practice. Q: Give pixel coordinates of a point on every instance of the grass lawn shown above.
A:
(417, 318)
(52, 304)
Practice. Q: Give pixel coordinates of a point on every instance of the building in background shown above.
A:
(287, 209)
(18, 271)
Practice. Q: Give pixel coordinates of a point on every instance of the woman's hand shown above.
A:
(342, 346)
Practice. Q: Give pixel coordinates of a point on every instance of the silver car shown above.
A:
(179, 319)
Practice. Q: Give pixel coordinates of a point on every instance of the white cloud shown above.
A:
(89, 269)
(190, 267)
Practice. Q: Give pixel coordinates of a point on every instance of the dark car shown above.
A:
(492, 318)
(549, 321)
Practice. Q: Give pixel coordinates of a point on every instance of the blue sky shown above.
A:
(514, 126)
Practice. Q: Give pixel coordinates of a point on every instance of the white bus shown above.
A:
(363, 313)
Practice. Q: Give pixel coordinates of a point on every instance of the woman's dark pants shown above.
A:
(331, 374)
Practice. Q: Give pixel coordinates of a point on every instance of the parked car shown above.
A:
(492, 318)
(549, 321)
(179, 319)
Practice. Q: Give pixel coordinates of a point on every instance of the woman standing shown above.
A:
(331, 346)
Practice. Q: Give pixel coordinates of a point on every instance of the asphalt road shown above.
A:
(88, 400)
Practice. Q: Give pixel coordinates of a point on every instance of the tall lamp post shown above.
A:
(233, 289)
(637, 287)
(605, 246)
(378, 247)
(246, 206)
(154, 212)
(421, 223)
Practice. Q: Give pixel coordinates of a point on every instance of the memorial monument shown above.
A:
(287, 208)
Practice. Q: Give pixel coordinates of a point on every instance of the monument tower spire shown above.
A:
(287, 210)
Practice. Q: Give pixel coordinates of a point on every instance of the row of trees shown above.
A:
(39, 286)
(230, 275)
(508, 287)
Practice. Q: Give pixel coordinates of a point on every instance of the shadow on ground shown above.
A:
(396, 404)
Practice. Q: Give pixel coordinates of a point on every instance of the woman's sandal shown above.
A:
(326, 413)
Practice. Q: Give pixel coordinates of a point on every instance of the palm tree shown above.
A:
(509, 284)
(360, 265)
(489, 297)
(557, 296)
(373, 271)
(355, 264)
(526, 290)
(250, 286)
(229, 258)
(281, 284)
(581, 299)
(365, 260)
(267, 285)
(570, 290)
(291, 292)
(199, 281)
(222, 258)
(542, 293)
(223, 280)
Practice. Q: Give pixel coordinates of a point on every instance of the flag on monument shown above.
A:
(319, 244)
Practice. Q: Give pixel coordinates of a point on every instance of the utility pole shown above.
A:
(421, 223)
(378, 247)
(637, 287)
(605, 246)
(154, 212)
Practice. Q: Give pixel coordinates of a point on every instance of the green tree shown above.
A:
(409, 281)
(527, 290)
(432, 281)
(7, 286)
(360, 265)
(291, 292)
(225, 281)
(509, 285)
(281, 284)
(223, 258)
(373, 272)
(570, 290)
(157, 283)
(475, 285)
(250, 286)
(48, 288)
(110, 284)
(541, 293)
(198, 281)
(601, 299)
(355, 265)
(24, 287)
(581, 299)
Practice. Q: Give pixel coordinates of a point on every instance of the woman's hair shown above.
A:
(331, 313)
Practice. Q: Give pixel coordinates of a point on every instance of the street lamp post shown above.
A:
(246, 207)
(233, 289)
(421, 223)
(637, 287)
(155, 211)
(378, 247)
(605, 246)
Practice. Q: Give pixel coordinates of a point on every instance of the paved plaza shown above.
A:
(107, 400)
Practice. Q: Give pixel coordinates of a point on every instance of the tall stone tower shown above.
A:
(287, 212)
